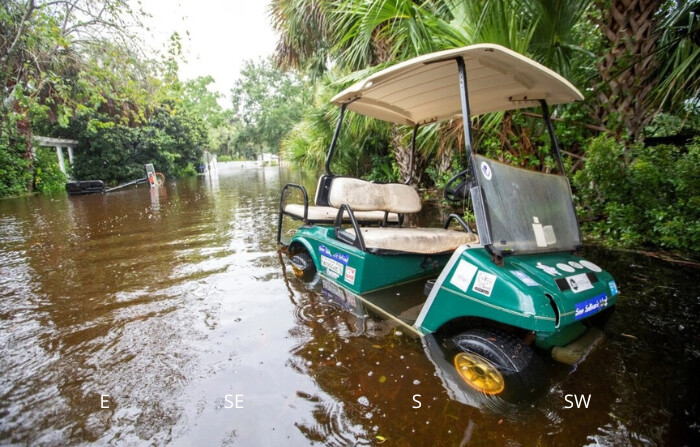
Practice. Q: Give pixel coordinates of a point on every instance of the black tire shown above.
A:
(523, 372)
(303, 266)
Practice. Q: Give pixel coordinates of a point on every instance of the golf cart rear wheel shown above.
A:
(303, 266)
(490, 361)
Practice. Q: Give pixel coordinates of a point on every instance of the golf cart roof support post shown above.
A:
(466, 123)
(557, 153)
(552, 136)
(413, 154)
(331, 150)
(466, 115)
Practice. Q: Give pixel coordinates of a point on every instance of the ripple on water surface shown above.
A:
(168, 300)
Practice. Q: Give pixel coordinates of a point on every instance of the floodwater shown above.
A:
(175, 310)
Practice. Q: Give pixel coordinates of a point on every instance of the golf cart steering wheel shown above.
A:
(457, 188)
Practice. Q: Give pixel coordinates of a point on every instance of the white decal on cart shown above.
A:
(579, 283)
(575, 264)
(350, 275)
(551, 270)
(565, 268)
(484, 283)
(333, 267)
(591, 266)
(463, 275)
(486, 170)
(522, 276)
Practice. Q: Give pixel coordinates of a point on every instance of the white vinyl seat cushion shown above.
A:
(328, 214)
(415, 240)
(362, 195)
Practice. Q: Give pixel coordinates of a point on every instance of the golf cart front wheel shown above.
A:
(491, 361)
(479, 373)
(303, 266)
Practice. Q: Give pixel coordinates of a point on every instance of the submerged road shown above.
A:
(169, 317)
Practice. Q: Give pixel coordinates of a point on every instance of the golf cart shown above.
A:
(514, 284)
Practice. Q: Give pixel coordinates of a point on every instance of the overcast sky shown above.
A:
(222, 34)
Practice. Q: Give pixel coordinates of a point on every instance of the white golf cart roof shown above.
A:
(426, 88)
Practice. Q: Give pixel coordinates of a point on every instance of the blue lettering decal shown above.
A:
(589, 307)
(340, 257)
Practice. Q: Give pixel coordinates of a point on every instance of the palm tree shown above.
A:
(627, 67)
(360, 33)
(304, 34)
(678, 55)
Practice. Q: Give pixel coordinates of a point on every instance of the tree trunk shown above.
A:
(402, 154)
(626, 68)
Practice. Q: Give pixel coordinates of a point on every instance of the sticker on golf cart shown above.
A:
(565, 268)
(613, 288)
(591, 266)
(579, 283)
(484, 283)
(486, 170)
(551, 270)
(522, 276)
(340, 257)
(333, 267)
(463, 275)
(589, 307)
(350, 275)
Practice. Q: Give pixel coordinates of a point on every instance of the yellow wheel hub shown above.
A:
(299, 273)
(479, 373)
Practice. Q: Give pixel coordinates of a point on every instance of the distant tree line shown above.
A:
(76, 69)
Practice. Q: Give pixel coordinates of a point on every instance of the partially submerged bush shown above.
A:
(652, 198)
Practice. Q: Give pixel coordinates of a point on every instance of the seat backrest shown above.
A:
(323, 189)
(362, 195)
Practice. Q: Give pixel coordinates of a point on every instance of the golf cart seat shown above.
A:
(413, 240)
(315, 214)
(327, 214)
(353, 195)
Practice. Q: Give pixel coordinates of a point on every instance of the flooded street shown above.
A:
(171, 317)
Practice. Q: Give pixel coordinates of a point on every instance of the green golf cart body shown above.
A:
(518, 279)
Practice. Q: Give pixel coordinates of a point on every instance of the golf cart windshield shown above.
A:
(521, 211)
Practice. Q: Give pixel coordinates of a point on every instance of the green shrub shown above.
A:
(187, 171)
(172, 140)
(224, 158)
(14, 166)
(48, 176)
(651, 199)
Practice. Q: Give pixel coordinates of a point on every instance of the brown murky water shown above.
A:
(176, 304)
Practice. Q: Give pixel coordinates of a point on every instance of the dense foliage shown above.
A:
(74, 69)
(48, 176)
(267, 102)
(654, 200)
(15, 172)
(632, 60)
(170, 140)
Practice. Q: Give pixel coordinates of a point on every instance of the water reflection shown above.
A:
(513, 404)
(169, 299)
